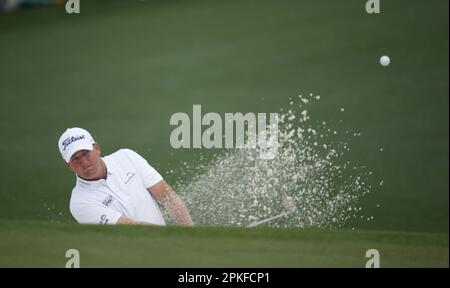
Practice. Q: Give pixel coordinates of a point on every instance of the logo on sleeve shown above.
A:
(128, 177)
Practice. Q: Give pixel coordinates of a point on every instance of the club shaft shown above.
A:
(267, 220)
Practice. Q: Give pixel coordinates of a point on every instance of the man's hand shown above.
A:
(126, 220)
(164, 194)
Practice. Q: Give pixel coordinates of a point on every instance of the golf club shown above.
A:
(288, 204)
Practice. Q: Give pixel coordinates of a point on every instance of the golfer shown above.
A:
(121, 188)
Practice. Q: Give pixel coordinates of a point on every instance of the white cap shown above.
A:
(74, 140)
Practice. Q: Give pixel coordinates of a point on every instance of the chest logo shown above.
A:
(108, 200)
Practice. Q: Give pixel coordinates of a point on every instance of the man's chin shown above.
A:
(89, 176)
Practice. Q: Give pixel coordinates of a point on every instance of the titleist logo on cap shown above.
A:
(70, 140)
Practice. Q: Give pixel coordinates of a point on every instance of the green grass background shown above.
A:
(122, 68)
(36, 244)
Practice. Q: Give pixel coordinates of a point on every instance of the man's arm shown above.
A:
(164, 194)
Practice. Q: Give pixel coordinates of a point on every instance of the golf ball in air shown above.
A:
(385, 60)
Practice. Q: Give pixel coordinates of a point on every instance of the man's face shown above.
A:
(87, 163)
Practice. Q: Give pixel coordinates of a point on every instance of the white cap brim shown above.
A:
(81, 146)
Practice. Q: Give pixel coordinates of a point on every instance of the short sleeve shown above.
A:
(90, 213)
(148, 174)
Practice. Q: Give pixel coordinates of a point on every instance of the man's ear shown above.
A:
(97, 147)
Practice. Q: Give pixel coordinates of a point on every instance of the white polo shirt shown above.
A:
(124, 192)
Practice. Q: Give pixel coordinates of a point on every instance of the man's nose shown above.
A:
(84, 161)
